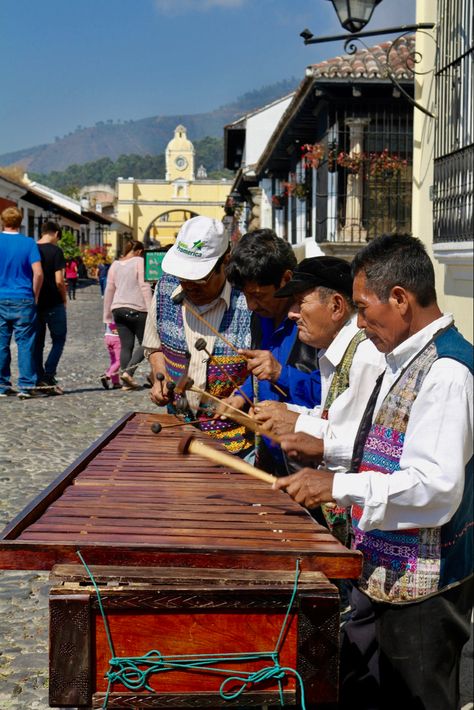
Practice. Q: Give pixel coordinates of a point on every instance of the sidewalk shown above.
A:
(39, 438)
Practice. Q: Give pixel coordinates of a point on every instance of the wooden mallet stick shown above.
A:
(190, 445)
(201, 345)
(236, 414)
(179, 299)
(156, 427)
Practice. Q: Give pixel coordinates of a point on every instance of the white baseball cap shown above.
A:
(198, 247)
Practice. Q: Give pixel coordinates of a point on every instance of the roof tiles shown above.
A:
(370, 63)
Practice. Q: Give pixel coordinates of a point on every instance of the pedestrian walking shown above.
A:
(102, 271)
(72, 275)
(126, 302)
(21, 278)
(112, 343)
(51, 313)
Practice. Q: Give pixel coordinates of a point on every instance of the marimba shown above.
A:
(188, 558)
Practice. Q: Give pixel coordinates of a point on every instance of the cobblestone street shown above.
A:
(39, 438)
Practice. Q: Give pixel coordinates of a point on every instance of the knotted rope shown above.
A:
(133, 672)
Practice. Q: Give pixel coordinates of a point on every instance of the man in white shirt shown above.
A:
(410, 487)
(321, 288)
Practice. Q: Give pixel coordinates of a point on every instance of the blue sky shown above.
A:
(67, 63)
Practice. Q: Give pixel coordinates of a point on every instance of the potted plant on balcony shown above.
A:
(352, 162)
(312, 154)
(279, 201)
(293, 188)
(386, 165)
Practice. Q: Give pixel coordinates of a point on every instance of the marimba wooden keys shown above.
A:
(187, 554)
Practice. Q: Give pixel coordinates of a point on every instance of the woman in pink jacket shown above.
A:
(126, 301)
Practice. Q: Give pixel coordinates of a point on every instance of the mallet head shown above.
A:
(178, 298)
(156, 427)
(184, 443)
(200, 344)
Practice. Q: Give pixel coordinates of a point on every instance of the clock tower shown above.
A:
(180, 157)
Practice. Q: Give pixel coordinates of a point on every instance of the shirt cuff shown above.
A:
(314, 426)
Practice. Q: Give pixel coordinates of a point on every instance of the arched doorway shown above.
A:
(163, 229)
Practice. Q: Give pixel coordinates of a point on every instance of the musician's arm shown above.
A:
(303, 388)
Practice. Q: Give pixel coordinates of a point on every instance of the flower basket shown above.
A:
(312, 154)
(295, 189)
(386, 165)
(279, 201)
(352, 162)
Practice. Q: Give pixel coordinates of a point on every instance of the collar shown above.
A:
(335, 352)
(224, 295)
(404, 352)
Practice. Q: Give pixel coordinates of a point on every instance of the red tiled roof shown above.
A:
(369, 63)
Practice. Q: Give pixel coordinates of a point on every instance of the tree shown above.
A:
(68, 244)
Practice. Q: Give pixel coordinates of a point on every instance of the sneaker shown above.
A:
(10, 392)
(105, 379)
(28, 394)
(129, 382)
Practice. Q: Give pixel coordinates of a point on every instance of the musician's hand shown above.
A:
(235, 401)
(305, 448)
(159, 393)
(308, 487)
(274, 417)
(262, 364)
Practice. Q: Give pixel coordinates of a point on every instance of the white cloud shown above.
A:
(177, 7)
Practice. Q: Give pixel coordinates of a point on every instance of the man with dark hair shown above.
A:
(261, 264)
(21, 277)
(410, 486)
(51, 308)
(323, 311)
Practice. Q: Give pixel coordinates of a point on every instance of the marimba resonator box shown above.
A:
(203, 612)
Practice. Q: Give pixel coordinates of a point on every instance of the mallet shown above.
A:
(235, 414)
(190, 445)
(156, 427)
(201, 345)
(180, 297)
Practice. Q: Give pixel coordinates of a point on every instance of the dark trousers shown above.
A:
(71, 288)
(130, 325)
(405, 657)
(54, 319)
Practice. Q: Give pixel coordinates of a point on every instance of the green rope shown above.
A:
(133, 671)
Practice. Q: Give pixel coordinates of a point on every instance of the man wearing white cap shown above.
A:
(194, 267)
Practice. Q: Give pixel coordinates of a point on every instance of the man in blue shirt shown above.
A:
(260, 264)
(21, 278)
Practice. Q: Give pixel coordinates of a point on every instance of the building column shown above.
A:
(353, 231)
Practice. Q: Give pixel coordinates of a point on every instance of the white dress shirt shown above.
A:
(344, 415)
(428, 487)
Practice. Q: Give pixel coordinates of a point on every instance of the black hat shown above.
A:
(326, 271)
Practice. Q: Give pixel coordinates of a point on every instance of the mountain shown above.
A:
(109, 139)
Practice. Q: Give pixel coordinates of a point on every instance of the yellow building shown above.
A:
(156, 209)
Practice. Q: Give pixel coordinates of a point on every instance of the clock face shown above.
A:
(181, 162)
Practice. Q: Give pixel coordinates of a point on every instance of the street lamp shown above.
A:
(354, 14)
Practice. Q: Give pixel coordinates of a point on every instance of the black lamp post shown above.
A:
(354, 14)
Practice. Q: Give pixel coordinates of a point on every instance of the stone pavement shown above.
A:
(38, 439)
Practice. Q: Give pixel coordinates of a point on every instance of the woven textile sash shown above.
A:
(338, 517)
(401, 565)
(235, 327)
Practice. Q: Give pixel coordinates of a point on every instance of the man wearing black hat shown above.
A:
(349, 363)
